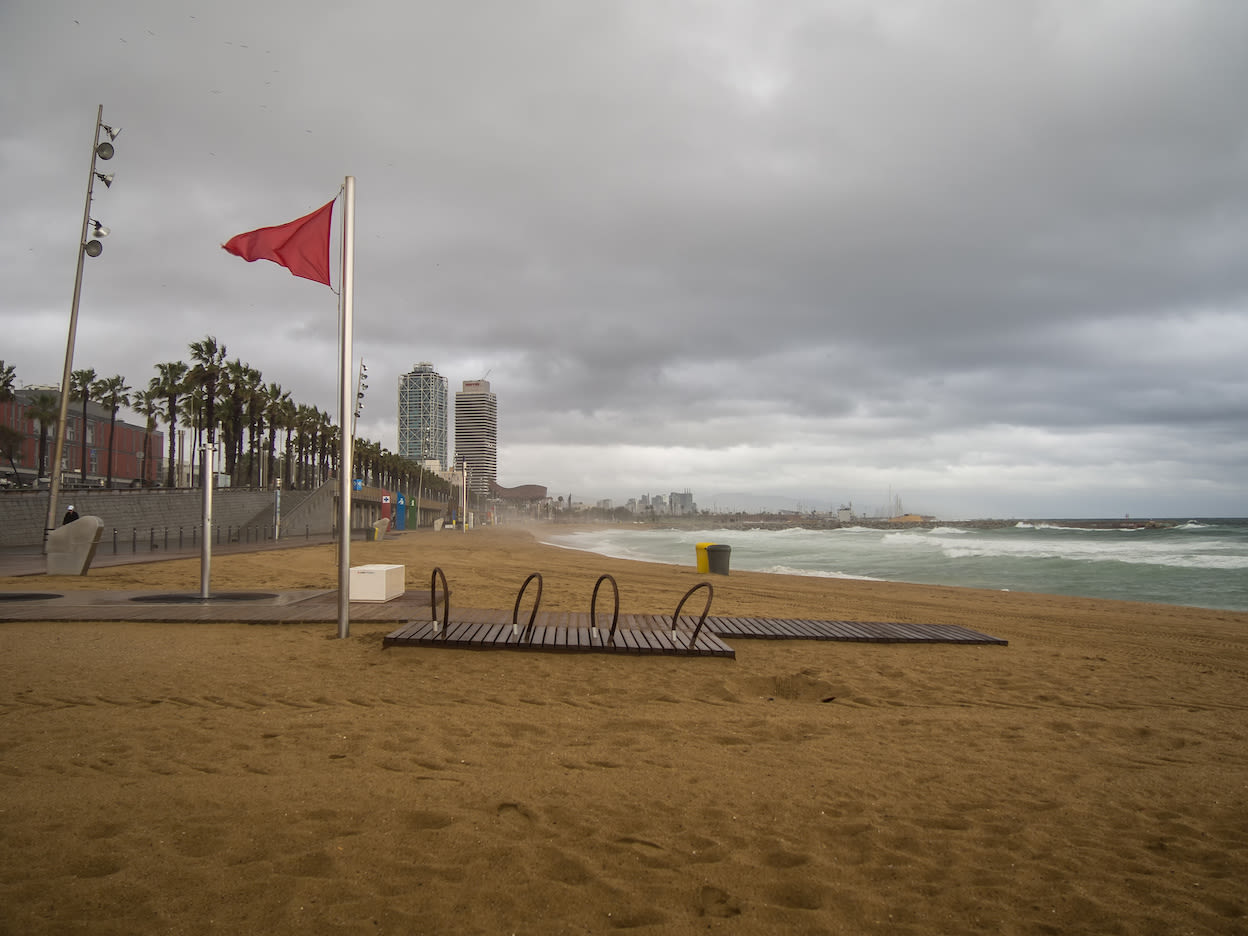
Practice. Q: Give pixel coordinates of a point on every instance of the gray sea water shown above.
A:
(1200, 563)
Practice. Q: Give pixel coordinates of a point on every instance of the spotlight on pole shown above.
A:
(360, 386)
(88, 246)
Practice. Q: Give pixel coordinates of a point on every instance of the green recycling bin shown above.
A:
(717, 556)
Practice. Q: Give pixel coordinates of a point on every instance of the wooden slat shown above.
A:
(661, 641)
(806, 629)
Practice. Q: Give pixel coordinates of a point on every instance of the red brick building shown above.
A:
(127, 444)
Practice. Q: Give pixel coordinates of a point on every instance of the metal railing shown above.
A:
(180, 539)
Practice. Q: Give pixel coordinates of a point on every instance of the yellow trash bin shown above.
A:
(704, 562)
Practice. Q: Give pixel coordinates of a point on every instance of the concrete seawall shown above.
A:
(155, 513)
(175, 515)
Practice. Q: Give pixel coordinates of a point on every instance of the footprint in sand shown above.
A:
(713, 902)
(515, 815)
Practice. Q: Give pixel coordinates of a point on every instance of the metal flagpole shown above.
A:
(345, 409)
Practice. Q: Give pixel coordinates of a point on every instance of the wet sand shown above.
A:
(1091, 777)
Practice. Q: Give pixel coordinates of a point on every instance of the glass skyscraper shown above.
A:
(423, 416)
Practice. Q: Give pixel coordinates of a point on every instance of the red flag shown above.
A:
(301, 246)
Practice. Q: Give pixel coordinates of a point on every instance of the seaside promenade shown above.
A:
(29, 560)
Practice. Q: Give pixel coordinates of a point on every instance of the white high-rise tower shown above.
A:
(476, 434)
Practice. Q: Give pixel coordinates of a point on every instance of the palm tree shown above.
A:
(191, 414)
(148, 405)
(309, 421)
(8, 376)
(303, 430)
(170, 383)
(327, 437)
(114, 393)
(241, 378)
(46, 409)
(365, 455)
(257, 405)
(276, 401)
(205, 375)
(82, 387)
(290, 421)
(11, 442)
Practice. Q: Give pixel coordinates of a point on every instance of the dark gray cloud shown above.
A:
(986, 255)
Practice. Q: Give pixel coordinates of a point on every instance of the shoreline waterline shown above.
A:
(1198, 563)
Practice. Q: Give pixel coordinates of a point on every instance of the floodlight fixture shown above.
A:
(88, 246)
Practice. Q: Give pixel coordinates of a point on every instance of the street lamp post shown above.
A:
(86, 248)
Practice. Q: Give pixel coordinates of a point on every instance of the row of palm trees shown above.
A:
(265, 435)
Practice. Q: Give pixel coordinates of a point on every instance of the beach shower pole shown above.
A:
(207, 475)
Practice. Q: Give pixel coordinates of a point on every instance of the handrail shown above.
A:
(433, 600)
(710, 593)
(593, 604)
(515, 612)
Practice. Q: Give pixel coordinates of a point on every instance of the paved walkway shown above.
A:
(29, 560)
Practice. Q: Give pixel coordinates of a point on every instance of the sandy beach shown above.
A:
(1091, 777)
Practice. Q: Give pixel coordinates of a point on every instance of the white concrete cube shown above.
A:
(377, 582)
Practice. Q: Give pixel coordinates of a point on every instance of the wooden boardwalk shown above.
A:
(856, 631)
(479, 629)
(565, 632)
(653, 633)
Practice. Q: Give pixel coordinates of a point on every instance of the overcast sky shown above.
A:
(988, 255)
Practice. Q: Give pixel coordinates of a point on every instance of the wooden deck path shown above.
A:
(469, 628)
(652, 633)
(563, 632)
(856, 631)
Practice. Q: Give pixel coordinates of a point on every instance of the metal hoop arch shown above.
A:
(593, 606)
(433, 600)
(515, 612)
(710, 593)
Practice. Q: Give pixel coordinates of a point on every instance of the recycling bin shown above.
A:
(703, 564)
